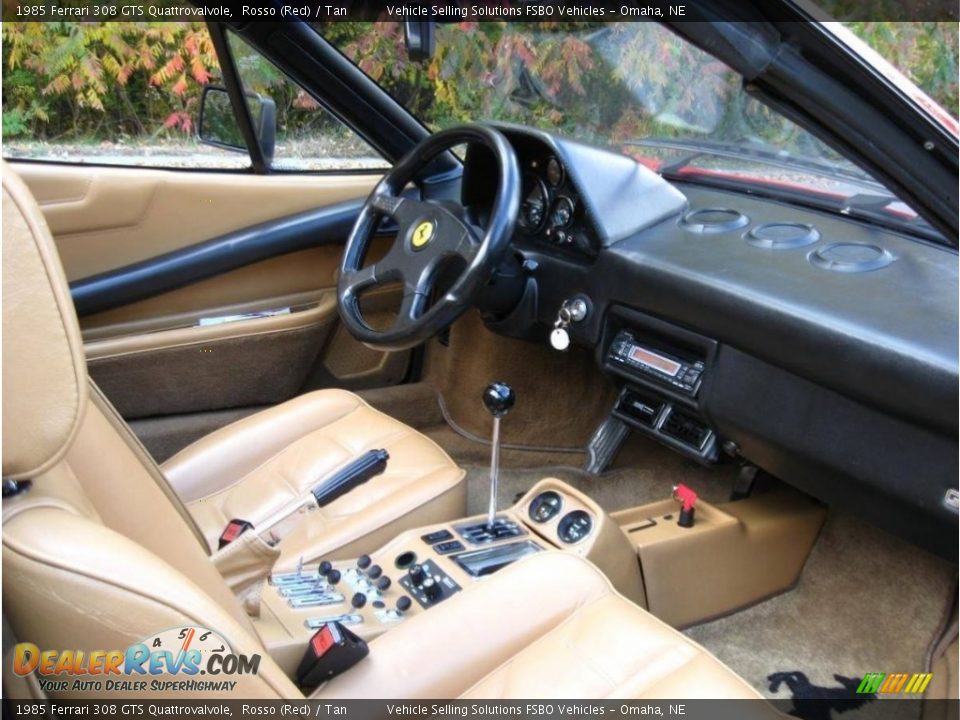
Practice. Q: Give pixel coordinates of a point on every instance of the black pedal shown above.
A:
(605, 443)
(332, 650)
(235, 528)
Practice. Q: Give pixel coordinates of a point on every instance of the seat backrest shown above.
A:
(97, 552)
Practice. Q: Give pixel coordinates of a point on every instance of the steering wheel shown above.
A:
(431, 233)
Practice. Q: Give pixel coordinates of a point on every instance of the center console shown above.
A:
(684, 561)
(425, 567)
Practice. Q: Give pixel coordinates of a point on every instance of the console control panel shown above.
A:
(428, 584)
(665, 368)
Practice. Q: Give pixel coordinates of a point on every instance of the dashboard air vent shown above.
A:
(707, 221)
(851, 257)
(782, 235)
(685, 429)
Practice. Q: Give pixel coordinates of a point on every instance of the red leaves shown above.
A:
(180, 120)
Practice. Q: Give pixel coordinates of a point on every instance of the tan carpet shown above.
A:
(866, 602)
(561, 397)
(645, 471)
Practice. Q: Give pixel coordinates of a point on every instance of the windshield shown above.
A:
(635, 87)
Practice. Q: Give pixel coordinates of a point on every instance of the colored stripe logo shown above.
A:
(894, 683)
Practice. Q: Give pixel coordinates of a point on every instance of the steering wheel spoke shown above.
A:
(363, 278)
(411, 309)
(386, 204)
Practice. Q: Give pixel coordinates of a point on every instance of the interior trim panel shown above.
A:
(115, 288)
(103, 218)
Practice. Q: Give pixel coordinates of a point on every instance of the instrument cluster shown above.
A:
(551, 210)
(574, 526)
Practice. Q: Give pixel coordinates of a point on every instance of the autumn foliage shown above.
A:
(92, 79)
(95, 81)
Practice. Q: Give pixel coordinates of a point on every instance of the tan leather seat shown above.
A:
(549, 626)
(263, 464)
(258, 467)
(98, 553)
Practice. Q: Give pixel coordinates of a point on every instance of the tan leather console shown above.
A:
(733, 555)
(736, 553)
(296, 601)
(541, 627)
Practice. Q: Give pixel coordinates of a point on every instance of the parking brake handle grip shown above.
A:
(348, 477)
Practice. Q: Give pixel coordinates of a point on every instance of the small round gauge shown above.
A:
(545, 506)
(574, 526)
(562, 213)
(554, 172)
(200, 640)
(533, 211)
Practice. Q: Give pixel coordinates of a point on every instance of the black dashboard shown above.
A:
(818, 347)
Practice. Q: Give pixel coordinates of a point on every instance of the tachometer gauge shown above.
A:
(574, 527)
(554, 172)
(533, 212)
(545, 506)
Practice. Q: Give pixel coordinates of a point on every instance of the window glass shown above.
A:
(120, 93)
(635, 87)
(130, 93)
(926, 52)
(308, 136)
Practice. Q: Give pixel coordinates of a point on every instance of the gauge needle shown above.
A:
(187, 640)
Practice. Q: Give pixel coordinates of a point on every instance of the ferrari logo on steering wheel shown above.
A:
(422, 234)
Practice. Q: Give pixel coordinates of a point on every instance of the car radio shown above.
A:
(655, 365)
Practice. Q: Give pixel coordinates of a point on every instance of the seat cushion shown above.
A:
(262, 464)
(549, 626)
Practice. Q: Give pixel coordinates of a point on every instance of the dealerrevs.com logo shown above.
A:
(180, 655)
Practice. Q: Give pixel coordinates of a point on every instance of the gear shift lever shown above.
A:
(498, 399)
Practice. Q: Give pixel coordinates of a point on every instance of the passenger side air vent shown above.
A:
(707, 221)
(851, 257)
(782, 235)
(685, 429)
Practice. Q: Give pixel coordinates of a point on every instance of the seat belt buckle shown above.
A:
(332, 650)
(235, 528)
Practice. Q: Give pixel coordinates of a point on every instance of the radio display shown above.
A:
(654, 361)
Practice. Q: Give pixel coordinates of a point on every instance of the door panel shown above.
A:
(249, 362)
(104, 218)
(161, 356)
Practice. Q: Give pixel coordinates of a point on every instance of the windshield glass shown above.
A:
(635, 87)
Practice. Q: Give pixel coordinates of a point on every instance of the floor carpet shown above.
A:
(866, 602)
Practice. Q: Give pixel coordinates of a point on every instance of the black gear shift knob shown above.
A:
(498, 398)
